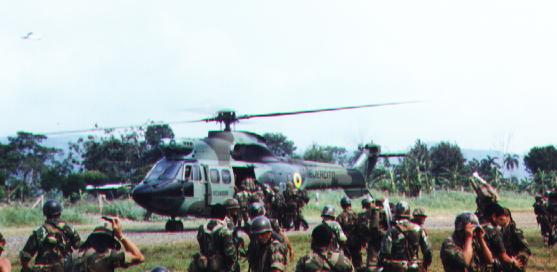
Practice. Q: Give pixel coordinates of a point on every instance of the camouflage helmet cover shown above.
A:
(402, 209)
(52, 208)
(345, 201)
(419, 212)
(463, 219)
(103, 233)
(328, 211)
(231, 203)
(260, 224)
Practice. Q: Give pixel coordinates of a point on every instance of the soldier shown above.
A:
(265, 254)
(348, 220)
(379, 225)
(302, 199)
(102, 252)
(51, 242)
(257, 209)
(216, 244)
(322, 258)
(5, 264)
(418, 217)
(494, 239)
(291, 208)
(542, 217)
(466, 249)
(279, 206)
(339, 239)
(399, 249)
(232, 213)
(243, 196)
(362, 234)
(515, 244)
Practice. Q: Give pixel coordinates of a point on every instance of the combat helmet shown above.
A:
(52, 208)
(419, 212)
(231, 203)
(328, 211)
(256, 209)
(160, 269)
(366, 202)
(260, 224)
(402, 209)
(345, 202)
(103, 234)
(463, 219)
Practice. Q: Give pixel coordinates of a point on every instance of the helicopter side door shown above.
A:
(219, 184)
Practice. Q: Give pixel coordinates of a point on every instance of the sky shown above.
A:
(484, 70)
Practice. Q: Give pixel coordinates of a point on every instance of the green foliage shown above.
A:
(445, 158)
(279, 144)
(329, 154)
(541, 159)
(17, 216)
(124, 209)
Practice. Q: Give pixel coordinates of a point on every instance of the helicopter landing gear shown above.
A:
(174, 225)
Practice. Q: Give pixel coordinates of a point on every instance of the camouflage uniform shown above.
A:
(278, 208)
(339, 238)
(348, 220)
(302, 198)
(217, 250)
(291, 209)
(90, 260)
(243, 197)
(271, 256)
(52, 242)
(399, 249)
(362, 233)
(515, 245)
(325, 260)
(378, 227)
(452, 250)
(494, 239)
(542, 216)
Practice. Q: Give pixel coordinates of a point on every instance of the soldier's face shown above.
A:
(420, 219)
(263, 238)
(502, 220)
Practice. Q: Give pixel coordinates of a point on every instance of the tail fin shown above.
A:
(367, 160)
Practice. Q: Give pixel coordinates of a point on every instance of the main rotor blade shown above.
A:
(248, 116)
(97, 129)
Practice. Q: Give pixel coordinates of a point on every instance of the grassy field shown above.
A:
(177, 255)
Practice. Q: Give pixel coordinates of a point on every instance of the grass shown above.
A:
(437, 202)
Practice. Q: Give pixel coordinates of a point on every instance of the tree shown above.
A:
(279, 144)
(541, 159)
(414, 171)
(329, 154)
(446, 158)
(155, 134)
(511, 161)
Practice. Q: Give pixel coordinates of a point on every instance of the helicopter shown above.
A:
(195, 176)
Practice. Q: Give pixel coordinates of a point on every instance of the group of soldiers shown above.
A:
(545, 208)
(382, 237)
(56, 246)
(286, 206)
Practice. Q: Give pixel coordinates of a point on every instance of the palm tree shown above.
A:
(511, 161)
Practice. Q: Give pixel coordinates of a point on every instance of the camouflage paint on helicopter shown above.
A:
(200, 174)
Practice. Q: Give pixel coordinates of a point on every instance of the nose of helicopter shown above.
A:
(142, 194)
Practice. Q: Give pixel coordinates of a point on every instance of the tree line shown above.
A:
(28, 168)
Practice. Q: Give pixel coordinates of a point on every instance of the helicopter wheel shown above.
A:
(174, 225)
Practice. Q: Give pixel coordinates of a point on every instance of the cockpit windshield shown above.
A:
(164, 170)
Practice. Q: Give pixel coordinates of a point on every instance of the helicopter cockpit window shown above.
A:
(214, 174)
(165, 170)
(226, 178)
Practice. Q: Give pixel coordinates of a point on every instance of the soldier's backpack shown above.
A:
(54, 240)
(208, 259)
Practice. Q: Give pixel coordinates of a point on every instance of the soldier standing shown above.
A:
(217, 251)
(515, 244)
(302, 198)
(466, 249)
(243, 196)
(232, 213)
(362, 234)
(494, 239)
(278, 207)
(418, 217)
(102, 252)
(399, 249)
(51, 242)
(339, 239)
(542, 217)
(265, 254)
(347, 220)
(291, 208)
(322, 258)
